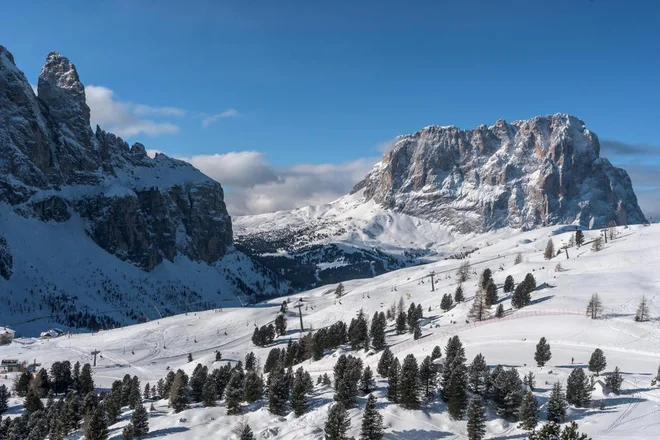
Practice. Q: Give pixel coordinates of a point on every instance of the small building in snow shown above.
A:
(49, 334)
(10, 365)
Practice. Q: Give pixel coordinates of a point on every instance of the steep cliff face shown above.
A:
(89, 223)
(530, 173)
(137, 208)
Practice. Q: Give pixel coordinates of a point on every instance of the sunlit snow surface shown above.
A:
(621, 273)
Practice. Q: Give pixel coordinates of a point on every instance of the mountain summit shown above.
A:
(542, 171)
(89, 223)
(437, 188)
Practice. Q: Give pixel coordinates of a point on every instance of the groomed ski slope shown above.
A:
(621, 273)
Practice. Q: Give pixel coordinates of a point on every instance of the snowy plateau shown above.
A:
(621, 273)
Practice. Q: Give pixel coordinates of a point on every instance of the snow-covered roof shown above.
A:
(6, 330)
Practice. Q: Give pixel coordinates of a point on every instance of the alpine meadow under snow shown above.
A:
(621, 273)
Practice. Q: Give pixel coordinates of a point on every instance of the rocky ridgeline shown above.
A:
(542, 171)
(53, 165)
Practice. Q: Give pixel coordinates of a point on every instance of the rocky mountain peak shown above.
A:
(544, 170)
(60, 89)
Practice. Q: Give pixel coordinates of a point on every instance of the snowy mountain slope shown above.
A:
(442, 183)
(621, 273)
(91, 225)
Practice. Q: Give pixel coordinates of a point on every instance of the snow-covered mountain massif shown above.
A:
(94, 232)
(436, 190)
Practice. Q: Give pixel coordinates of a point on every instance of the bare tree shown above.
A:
(549, 250)
(611, 229)
(597, 244)
(595, 307)
(519, 259)
(642, 311)
(463, 272)
(479, 310)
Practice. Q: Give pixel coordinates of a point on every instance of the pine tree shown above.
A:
(178, 393)
(140, 422)
(190, 358)
(529, 412)
(508, 284)
(597, 363)
(543, 353)
(549, 252)
(453, 350)
(417, 331)
(459, 296)
(358, 331)
(338, 423)
(377, 331)
(446, 303)
(280, 324)
(299, 393)
(478, 377)
(22, 384)
(595, 307)
(529, 381)
(579, 238)
(348, 371)
(479, 309)
(243, 431)
(642, 311)
(197, 381)
(552, 431)
(556, 408)
(486, 278)
(339, 291)
(278, 391)
(4, 399)
(401, 323)
(476, 424)
(409, 383)
(499, 312)
(32, 402)
(508, 393)
(491, 294)
(436, 353)
(372, 421)
(367, 382)
(209, 392)
(234, 393)
(147, 391)
(457, 399)
(96, 427)
(393, 381)
(427, 373)
(253, 387)
(384, 363)
(578, 389)
(218, 356)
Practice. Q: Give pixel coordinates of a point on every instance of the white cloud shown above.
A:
(146, 110)
(120, 117)
(230, 113)
(254, 186)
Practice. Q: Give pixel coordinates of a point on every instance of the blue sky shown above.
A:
(322, 83)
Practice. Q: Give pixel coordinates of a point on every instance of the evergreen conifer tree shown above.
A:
(642, 313)
(299, 392)
(446, 303)
(372, 421)
(456, 391)
(556, 408)
(508, 393)
(529, 412)
(597, 363)
(508, 284)
(578, 388)
(409, 383)
(337, 423)
(253, 387)
(476, 424)
(32, 402)
(96, 427)
(234, 393)
(140, 422)
(393, 380)
(377, 331)
(486, 278)
(280, 324)
(178, 393)
(384, 363)
(367, 382)
(339, 291)
(614, 381)
(278, 391)
(478, 376)
(579, 238)
(401, 323)
(491, 294)
(209, 392)
(4, 399)
(427, 373)
(436, 353)
(459, 296)
(499, 312)
(542, 354)
(417, 331)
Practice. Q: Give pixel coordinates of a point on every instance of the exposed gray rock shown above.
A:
(6, 259)
(137, 208)
(541, 171)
